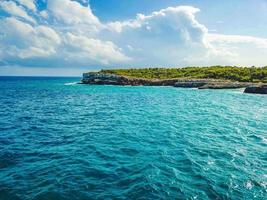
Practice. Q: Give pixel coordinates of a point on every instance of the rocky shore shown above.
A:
(261, 89)
(111, 79)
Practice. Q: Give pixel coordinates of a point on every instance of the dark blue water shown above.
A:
(64, 141)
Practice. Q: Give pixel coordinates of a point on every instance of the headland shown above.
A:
(215, 77)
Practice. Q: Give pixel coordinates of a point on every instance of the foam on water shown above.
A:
(71, 83)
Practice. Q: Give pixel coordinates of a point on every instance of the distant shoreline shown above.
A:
(216, 77)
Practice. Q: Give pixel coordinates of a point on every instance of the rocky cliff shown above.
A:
(110, 79)
(98, 78)
(261, 89)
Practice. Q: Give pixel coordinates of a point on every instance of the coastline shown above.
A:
(98, 78)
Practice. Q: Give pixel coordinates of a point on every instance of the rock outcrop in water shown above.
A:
(261, 89)
(225, 85)
(210, 84)
(111, 79)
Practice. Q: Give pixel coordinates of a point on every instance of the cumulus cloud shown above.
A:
(67, 33)
(239, 49)
(238, 39)
(72, 13)
(44, 14)
(168, 37)
(15, 10)
(103, 52)
(21, 40)
(28, 4)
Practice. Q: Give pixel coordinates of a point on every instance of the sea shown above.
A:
(63, 140)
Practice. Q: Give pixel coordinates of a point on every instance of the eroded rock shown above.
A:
(261, 89)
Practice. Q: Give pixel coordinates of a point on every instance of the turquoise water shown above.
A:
(64, 141)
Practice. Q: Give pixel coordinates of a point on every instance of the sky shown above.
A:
(69, 37)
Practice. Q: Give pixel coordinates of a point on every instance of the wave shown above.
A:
(71, 83)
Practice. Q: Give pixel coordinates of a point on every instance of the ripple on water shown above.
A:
(58, 141)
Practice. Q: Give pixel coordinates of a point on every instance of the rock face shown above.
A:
(111, 79)
(225, 85)
(101, 79)
(262, 89)
(190, 83)
(211, 84)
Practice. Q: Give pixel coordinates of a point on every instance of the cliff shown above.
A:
(261, 89)
(99, 78)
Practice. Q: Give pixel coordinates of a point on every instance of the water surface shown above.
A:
(65, 141)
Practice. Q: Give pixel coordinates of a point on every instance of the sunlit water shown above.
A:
(61, 140)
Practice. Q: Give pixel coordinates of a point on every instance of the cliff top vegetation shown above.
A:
(242, 74)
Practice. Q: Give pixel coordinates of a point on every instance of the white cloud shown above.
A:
(69, 34)
(173, 36)
(82, 48)
(174, 18)
(28, 4)
(44, 14)
(238, 39)
(21, 40)
(240, 49)
(15, 10)
(164, 37)
(72, 13)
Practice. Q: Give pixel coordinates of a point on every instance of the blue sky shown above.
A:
(228, 17)
(65, 37)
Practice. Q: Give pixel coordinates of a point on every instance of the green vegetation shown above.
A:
(242, 74)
